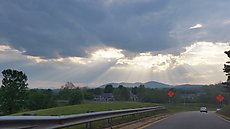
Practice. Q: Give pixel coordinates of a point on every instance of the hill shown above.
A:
(188, 86)
(150, 84)
(154, 84)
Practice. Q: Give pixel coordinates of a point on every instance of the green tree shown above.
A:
(88, 94)
(66, 91)
(227, 70)
(134, 90)
(40, 99)
(13, 91)
(97, 91)
(76, 97)
(141, 91)
(108, 88)
(121, 93)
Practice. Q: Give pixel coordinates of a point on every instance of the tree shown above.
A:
(69, 85)
(40, 99)
(227, 70)
(134, 90)
(13, 91)
(66, 91)
(140, 91)
(108, 88)
(121, 93)
(76, 97)
(97, 91)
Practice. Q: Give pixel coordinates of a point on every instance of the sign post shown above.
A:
(170, 94)
(220, 99)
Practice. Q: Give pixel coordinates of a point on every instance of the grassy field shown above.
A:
(89, 106)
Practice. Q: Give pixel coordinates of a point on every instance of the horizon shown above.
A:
(102, 85)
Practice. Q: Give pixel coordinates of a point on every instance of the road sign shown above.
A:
(170, 93)
(220, 98)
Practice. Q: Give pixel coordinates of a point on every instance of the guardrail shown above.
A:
(56, 122)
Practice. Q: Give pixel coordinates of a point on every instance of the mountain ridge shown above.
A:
(152, 84)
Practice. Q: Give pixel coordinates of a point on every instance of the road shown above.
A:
(191, 120)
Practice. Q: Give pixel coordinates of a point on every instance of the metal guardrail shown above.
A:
(56, 122)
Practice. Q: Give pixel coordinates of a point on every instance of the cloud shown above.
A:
(196, 26)
(201, 62)
(90, 42)
(49, 29)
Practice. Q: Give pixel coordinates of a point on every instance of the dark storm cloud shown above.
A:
(62, 28)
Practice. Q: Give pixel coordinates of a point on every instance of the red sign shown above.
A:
(220, 98)
(170, 93)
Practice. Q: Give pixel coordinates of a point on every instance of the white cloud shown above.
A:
(108, 53)
(201, 62)
(4, 48)
(196, 26)
(147, 60)
(205, 53)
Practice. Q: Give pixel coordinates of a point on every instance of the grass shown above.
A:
(105, 106)
(89, 106)
(225, 111)
(95, 106)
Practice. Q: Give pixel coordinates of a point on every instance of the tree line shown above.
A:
(15, 96)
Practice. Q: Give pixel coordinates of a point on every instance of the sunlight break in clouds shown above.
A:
(4, 47)
(147, 60)
(205, 53)
(107, 53)
(199, 63)
(196, 26)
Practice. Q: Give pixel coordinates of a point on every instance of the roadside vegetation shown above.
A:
(91, 106)
(59, 101)
(225, 111)
(95, 107)
(69, 94)
(87, 107)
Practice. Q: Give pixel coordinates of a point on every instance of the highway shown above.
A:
(191, 120)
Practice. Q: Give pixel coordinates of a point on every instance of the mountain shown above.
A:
(150, 84)
(188, 86)
(123, 84)
(154, 84)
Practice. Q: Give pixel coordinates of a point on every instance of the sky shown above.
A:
(93, 42)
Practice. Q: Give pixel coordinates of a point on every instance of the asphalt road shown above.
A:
(191, 120)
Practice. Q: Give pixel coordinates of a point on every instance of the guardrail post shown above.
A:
(110, 120)
(88, 125)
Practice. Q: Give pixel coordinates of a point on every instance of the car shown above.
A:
(203, 109)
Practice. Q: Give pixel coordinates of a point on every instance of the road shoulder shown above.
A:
(139, 124)
(223, 117)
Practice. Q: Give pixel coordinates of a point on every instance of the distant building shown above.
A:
(104, 97)
(133, 97)
(191, 96)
